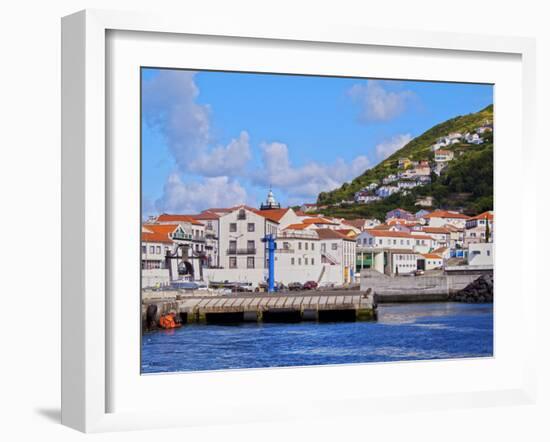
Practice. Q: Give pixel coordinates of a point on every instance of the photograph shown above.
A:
(304, 220)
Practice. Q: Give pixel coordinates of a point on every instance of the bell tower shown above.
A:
(270, 202)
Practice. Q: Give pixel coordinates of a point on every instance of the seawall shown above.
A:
(425, 288)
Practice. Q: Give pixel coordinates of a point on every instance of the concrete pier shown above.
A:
(330, 305)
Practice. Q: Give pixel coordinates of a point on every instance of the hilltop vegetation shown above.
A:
(466, 184)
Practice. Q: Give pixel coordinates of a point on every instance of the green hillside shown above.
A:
(466, 184)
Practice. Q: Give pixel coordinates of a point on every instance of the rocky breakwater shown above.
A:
(477, 292)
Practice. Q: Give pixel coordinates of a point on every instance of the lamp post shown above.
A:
(269, 239)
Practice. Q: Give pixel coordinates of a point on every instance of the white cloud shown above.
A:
(180, 197)
(169, 103)
(377, 103)
(386, 148)
(224, 160)
(305, 181)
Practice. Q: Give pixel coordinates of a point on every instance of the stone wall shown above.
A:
(409, 288)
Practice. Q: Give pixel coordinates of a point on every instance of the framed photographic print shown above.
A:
(253, 214)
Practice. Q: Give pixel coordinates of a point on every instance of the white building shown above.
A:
(190, 225)
(385, 191)
(477, 227)
(298, 256)
(389, 179)
(407, 184)
(169, 253)
(240, 238)
(441, 235)
(443, 155)
(403, 262)
(473, 138)
(390, 239)
(432, 261)
(338, 253)
(438, 218)
(480, 254)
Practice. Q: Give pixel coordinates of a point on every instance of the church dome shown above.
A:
(270, 202)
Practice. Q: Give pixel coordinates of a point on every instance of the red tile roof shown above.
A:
(396, 234)
(485, 215)
(272, 214)
(165, 217)
(300, 226)
(207, 215)
(332, 234)
(317, 220)
(431, 256)
(158, 232)
(357, 223)
(348, 232)
(429, 229)
(445, 214)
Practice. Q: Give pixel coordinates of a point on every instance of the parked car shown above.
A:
(418, 272)
(295, 286)
(243, 287)
(310, 285)
(262, 286)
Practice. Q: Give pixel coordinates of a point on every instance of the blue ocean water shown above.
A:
(403, 332)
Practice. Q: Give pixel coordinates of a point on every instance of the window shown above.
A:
(299, 261)
(250, 262)
(143, 249)
(312, 246)
(233, 227)
(250, 246)
(394, 242)
(151, 249)
(158, 250)
(291, 261)
(305, 261)
(402, 242)
(306, 246)
(488, 253)
(299, 246)
(232, 262)
(334, 246)
(251, 227)
(286, 245)
(312, 261)
(323, 248)
(209, 225)
(233, 245)
(242, 214)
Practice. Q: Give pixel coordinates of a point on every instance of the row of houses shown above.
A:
(226, 244)
(430, 237)
(469, 138)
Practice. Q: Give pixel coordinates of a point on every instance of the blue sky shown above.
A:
(219, 139)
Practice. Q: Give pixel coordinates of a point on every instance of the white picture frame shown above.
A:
(86, 217)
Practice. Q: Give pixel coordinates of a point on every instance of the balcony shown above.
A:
(182, 237)
(247, 251)
(288, 250)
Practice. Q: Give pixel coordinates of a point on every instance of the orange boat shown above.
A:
(168, 321)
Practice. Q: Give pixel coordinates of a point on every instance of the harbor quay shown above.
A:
(296, 306)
